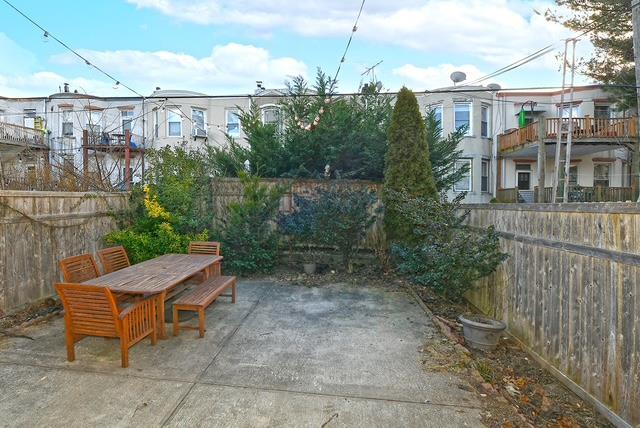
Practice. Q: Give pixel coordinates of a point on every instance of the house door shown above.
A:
(524, 180)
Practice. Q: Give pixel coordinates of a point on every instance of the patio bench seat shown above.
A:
(201, 297)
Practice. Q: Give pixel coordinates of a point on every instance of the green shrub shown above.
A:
(152, 234)
(447, 255)
(337, 218)
(300, 225)
(249, 238)
(342, 219)
(179, 178)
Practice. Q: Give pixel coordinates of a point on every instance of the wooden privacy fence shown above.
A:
(228, 190)
(570, 291)
(37, 229)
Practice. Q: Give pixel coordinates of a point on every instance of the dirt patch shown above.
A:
(519, 392)
(29, 315)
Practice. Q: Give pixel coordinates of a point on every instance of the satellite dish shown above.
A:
(379, 85)
(494, 86)
(457, 77)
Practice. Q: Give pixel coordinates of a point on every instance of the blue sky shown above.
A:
(223, 47)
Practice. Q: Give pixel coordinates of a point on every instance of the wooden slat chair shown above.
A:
(79, 268)
(206, 247)
(91, 310)
(113, 259)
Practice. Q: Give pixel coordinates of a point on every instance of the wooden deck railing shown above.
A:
(20, 135)
(518, 137)
(576, 194)
(589, 127)
(583, 128)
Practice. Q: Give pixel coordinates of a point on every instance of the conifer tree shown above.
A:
(407, 165)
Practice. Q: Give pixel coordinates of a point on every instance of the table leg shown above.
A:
(162, 334)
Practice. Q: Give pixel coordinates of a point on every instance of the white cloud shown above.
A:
(230, 67)
(43, 83)
(496, 31)
(420, 78)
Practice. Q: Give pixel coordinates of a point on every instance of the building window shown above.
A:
(156, 123)
(575, 111)
(174, 123)
(602, 112)
(601, 175)
(29, 120)
(198, 127)
(67, 123)
(127, 120)
(465, 183)
(573, 175)
(484, 121)
(484, 176)
(462, 112)
(272, 115)
(232, 122)
(436, 109)
(94, 119)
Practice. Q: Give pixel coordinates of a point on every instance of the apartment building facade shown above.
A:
(194, 119)
(500, 146)
(600, 150)
(471, 107)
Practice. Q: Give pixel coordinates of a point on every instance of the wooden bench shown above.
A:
(200, 298)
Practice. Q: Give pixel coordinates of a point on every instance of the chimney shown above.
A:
(259, 84)
(157, 88)
(66, 87)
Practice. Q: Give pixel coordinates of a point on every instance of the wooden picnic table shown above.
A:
(158, 276)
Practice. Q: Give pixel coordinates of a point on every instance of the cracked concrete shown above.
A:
(283, 355)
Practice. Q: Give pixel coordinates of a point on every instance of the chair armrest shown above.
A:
(140, 306)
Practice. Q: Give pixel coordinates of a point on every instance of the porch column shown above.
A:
(542, 159)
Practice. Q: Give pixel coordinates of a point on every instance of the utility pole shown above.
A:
(556, 162)
(567, 159)
(635, 13)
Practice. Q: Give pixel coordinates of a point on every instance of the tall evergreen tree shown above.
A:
(407, 165)
(608, 23)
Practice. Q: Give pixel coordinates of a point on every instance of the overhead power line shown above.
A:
(346, 49)
(537, 54)
(48, 34)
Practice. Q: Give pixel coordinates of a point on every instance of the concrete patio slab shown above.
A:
(283, 355)
(35, 396)
(258, 408)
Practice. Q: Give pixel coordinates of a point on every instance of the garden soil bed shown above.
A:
(29, 315)
(509, 375)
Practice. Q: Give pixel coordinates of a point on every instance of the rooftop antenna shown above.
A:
(457, 77)
(371, 73)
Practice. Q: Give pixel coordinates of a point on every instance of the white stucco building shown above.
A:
(502, 156)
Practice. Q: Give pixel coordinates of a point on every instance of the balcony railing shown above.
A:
(584, 128)
(519, 137)
(589, 127)
(576, 194)
(21, 136)
(106, 141)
